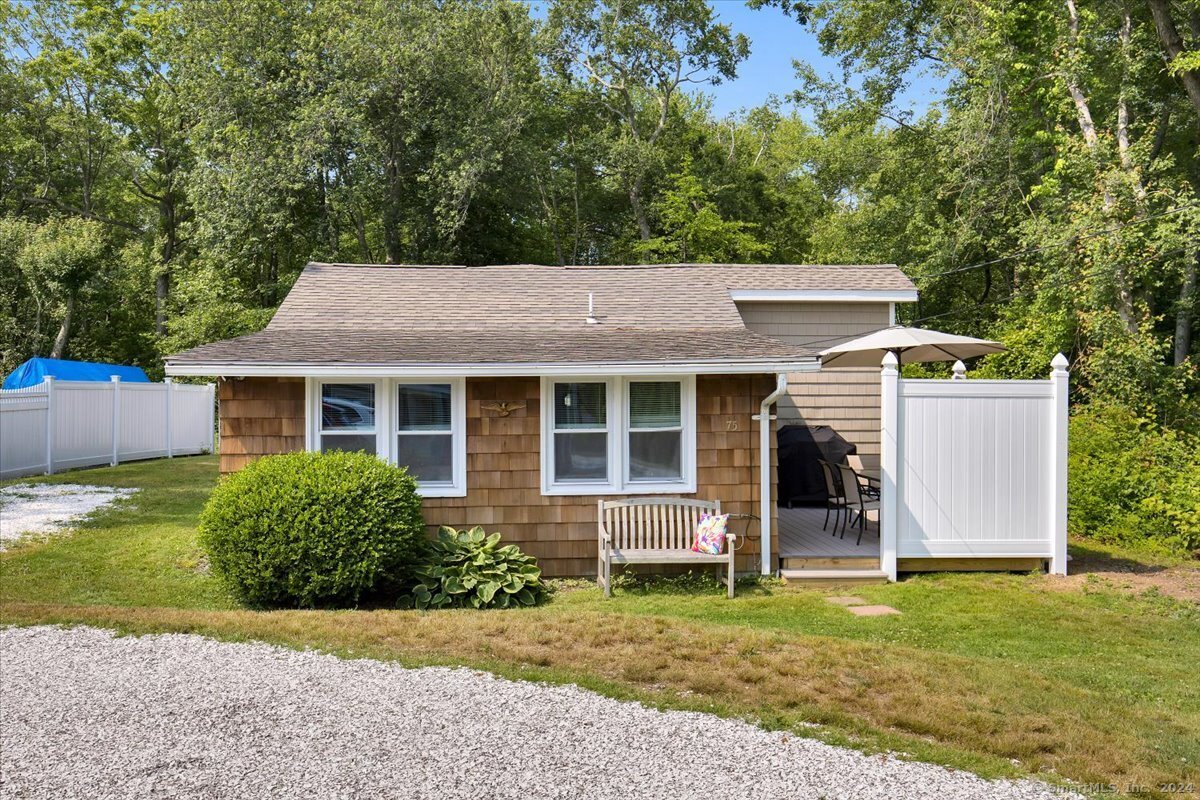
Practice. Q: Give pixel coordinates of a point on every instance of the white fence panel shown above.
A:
(82, 424)
(192, 419)
(974, 469)
(143, 421)
(973, 476)
(65, 424)
(23, 431)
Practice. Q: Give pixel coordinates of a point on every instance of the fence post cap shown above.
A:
(1060, 363)
(115, 378)
(890, 361)
(960, 370)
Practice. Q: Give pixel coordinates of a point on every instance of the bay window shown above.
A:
(603, 436)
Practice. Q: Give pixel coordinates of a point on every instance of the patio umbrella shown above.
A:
(911, 345)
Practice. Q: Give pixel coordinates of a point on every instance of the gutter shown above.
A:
(493, 370)
(764, 418)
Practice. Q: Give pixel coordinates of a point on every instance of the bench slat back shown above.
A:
(654, 523)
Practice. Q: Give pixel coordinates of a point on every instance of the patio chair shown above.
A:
(853, 485)
(835, 499)
(870, 489)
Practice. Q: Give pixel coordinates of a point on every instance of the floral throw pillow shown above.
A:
(710, 534)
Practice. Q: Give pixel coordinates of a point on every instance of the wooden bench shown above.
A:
(655, 530)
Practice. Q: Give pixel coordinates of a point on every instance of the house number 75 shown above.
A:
(731, 424)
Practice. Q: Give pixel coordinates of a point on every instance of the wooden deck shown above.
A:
(800, 534)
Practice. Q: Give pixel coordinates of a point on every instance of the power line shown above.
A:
(1093, 234)
(1093, 272)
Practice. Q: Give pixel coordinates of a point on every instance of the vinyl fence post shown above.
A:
(1059, 422)
(49, 380)
(170, 386)
(889, 454)
(116, 421)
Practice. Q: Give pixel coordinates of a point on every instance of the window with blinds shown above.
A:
(618, 435)
(425, 431)
(655, 451)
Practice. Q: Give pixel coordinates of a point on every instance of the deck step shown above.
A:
(829, 562)
(832, 577)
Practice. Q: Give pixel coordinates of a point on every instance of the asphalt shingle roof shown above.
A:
(420, 315)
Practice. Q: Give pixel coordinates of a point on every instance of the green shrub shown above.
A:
(1133, 482)
(313, 529)
(470, 568)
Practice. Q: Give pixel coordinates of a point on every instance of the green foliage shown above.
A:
(1133, 482)
(471, 568)
(313, 529)
(694, 230)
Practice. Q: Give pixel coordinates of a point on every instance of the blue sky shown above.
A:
(775, 40)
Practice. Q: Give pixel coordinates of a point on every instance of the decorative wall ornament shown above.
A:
(503, 409)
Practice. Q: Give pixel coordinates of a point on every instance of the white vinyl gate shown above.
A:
(64, 424)
(974, 468)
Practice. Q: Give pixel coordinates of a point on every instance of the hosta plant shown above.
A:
(471, 568)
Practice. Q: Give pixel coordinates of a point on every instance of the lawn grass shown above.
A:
(1000, 674)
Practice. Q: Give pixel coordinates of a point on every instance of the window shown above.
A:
(655, 431)
(580, 432)
(425, 432)
(420, 425)
(631, 436)
(348, 417)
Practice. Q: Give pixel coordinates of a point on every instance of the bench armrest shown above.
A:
(604, 537)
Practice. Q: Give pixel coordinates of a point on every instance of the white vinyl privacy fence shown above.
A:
(974, 468)
(60, 425)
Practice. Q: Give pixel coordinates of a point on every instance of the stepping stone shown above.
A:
(846, 601)
(872, 611)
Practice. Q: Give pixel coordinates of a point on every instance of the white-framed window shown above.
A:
(347, 418)
(618, 435)
(419, 424)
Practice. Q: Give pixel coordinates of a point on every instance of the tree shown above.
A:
(693, 229)
(637, 56)
(57, 259)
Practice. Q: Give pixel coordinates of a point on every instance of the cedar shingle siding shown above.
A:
(259, 416)
(266, 415)
(845, 399)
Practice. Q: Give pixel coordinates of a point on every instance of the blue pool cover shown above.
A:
(33, 371)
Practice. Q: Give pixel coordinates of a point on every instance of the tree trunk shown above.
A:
(360, 234)
(1123, 145)
(1082, 110)
(162, 289)
(391, 211)
(162, 284)
(1183, 316)
(1173, 45)
(639, 211)
(64, 330)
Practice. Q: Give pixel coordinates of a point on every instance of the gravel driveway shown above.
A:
(84, 714)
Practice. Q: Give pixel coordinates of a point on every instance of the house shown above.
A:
(519, 394)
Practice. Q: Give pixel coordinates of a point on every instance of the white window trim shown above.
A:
(385, 423)
(618, 439)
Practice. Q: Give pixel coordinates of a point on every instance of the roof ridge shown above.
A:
(581, 267)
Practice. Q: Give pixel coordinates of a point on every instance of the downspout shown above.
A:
(764, 472)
